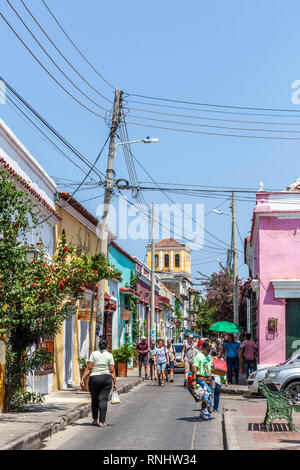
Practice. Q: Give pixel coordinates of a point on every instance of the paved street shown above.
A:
(149, 417)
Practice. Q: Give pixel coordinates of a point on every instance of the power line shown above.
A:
(50, 127)
(80, 184)
(205, 118)
(189, 131)
(147, 217)
(42, 133)
(77, 49)
(54, 63)
(49, 73)
(62, 55)
(171, 200)
(214, 111)
(213, 105)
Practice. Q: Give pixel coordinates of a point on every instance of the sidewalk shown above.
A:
(244, 431)
(24, 430)
(239, 389)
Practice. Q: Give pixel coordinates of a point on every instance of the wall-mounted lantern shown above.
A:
(273, 324)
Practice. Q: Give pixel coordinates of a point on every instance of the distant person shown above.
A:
(188, 354)
(172, 359)
(102, 376)
(162, 360)
(232, 349)
(249, 349)
(143, 350)
(152, 360)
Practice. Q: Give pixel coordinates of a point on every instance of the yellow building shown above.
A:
(80, 229)
(171, 257)
(173, 265)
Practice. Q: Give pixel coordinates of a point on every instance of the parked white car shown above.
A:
(259, 374)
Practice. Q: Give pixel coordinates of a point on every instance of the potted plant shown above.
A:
(82, 366)
(122, 356)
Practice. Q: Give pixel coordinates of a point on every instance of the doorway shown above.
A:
(292, 326)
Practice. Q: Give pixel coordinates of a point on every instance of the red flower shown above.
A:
(96, 272)
(33, 261)
(38, 243)
(65, 248)
(47, 279)
(52, 269)
(33, 284)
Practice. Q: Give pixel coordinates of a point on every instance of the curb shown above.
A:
(234, 391)
(230, 439)
(32, 439)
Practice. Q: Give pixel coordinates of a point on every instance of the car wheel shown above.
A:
(294, 389)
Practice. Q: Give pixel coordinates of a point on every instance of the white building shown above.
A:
(28, 175)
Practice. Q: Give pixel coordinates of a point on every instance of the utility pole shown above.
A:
(105, 214)
(152, 313)
(235, 284)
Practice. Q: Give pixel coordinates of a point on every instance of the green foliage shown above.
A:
(82, 362)
(179, 320)
(132, 306)
(124, 353)
(34, 296)
(20, 400)
(206, 317)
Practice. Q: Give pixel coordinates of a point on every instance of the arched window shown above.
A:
(177, 261)
(156, 261)
(167, 261)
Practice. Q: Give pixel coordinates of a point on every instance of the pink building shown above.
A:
(272, 253)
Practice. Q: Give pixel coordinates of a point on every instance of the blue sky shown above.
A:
(229, 53)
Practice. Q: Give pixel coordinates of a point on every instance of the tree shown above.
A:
(37, 296)
(218, 304)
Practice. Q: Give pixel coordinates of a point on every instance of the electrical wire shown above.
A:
(77, 49)
(46, 138)
(53, 62)
(214, 111)
(49, 73)
(50, 128)
(148, 218)
(190, 131)
(80, 184)
(213, 105)
(63, 56)
(205, 118)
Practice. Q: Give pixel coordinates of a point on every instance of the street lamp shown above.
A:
(147, 140)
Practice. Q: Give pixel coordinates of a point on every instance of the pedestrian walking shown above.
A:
(143, 350)
(202, 379)
(232, 349)
(162, 360)
(102, 374)
(188, 354)
(218, 381)
(172, 360)
(152, 360)
(249, 349)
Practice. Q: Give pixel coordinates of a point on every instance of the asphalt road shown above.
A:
(150, 418)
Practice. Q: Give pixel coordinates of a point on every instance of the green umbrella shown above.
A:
(225, 327)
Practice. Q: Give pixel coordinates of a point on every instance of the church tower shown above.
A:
(171, 257)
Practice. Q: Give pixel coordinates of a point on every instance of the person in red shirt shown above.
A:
(143, 350)
(249, 349)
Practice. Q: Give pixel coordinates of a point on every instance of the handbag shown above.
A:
(219, 367)
(115, 398)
